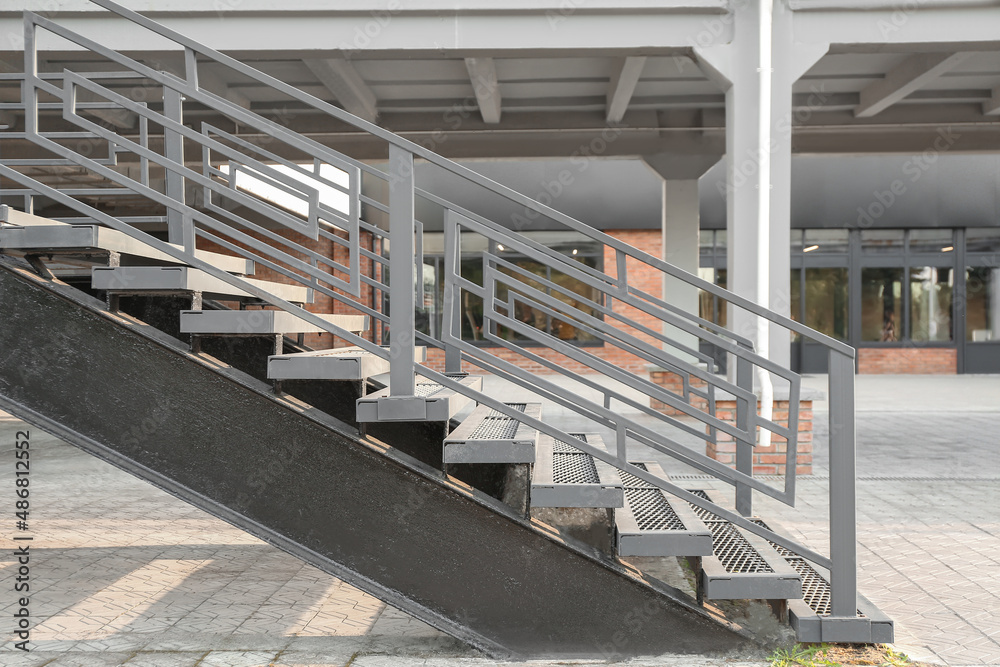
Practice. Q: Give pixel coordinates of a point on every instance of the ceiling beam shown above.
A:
(213, 82)
(346, 85)
(623, 82)
(483, 75)
(910, 75)
(991, 107)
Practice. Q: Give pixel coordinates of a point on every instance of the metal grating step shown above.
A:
(631, 481)
(811, 616)
(433, 402)
(742, 565)
(734, 551)
(490, 436)
(653, 524)
(564, 476)
(652, 511)
(342, 363)
(574, 469)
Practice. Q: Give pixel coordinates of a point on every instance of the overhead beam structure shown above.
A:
(343, 81)
(483, 75)
(623, 82)
(909, 76)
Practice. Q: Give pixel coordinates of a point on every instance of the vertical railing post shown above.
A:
(402, 318)
(173, 150)
(843, 528)
(450, 312)
(744, 448)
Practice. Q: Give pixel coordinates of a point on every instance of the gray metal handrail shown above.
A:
(416, 149)
(402, 230)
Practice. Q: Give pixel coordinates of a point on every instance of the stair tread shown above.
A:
(441, 403)
(651, 523)
(742, 564)
(186, 279)
(342, 363)
(806, 614)
(564, 476)
(25, 234)
(261, 322)
(490, 436)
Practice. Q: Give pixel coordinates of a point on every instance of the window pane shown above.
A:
(579, 297)
(881, 304)
(930, 303)
(982, 287)
(472, 304)
(826, 301)
(982, 240)
(426, 312)
(524, 313)
(721, 304)
(796, 300)
(880, 241)
(706, 240)
(825, 240)
(931, 240)
(706, 300)
(796, 240)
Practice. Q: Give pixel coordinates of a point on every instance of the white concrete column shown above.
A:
(736, 68)
(680, 247)
(680, 224)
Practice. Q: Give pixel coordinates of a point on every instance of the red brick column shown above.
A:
(674, 383)
(768, 460)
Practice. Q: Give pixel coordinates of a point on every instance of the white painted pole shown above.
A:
(764, 213)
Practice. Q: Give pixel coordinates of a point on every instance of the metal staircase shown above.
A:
(362, 257)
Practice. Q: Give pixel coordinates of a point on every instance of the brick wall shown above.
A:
(768, 460)
(908, 360)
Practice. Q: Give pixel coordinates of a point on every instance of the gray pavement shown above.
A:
(123, 573)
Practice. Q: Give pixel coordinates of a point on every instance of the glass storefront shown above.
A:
(889, 288)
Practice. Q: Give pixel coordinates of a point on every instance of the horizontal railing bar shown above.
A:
(294, 262)
(568, 267)
(208, 129)
(658, 392)
(75, 192)
(150, 193)
(57, 76)
(668, 446)
(253, 203)
(191, 260)
(610, 370)
(609, 312)
(548, 363)
(243, 252)
(457, 169)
